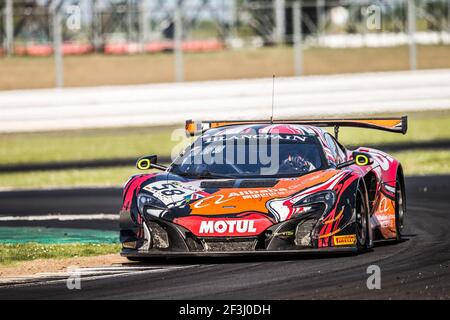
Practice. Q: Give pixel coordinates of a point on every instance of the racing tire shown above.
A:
(362, 220)
(139, 259)
(135, 259)
(400, 208)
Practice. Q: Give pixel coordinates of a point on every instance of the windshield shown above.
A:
(244, 156)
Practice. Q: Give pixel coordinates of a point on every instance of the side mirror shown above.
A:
(146, 162)
(359, 158)
(362, 159)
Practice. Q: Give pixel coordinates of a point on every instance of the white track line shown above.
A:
(86, 275)
(173, 103)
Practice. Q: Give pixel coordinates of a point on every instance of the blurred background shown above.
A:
(94, 64)
(86, 87)
(103, 42)
(102, 56)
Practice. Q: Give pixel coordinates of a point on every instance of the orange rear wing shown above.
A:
(393, 124)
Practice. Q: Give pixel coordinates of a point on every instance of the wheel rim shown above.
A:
(361, 220)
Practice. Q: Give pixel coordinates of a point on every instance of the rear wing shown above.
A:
(394, 124)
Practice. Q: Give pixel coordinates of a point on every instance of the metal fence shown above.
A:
(63, 27)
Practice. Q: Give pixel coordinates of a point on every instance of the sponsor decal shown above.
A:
(261, 192)
(285, 234)
(227, 226)
(211, 200)
(256, 194)
(195, 196)
(386, 220)
(250, 224)
(345, 240)
(217, 199)
(298, 138)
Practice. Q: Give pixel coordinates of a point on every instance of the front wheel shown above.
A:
(135, 259)
(362, 220)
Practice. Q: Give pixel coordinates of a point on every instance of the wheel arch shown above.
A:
(371, 184)
(401, 175)
(401, 179)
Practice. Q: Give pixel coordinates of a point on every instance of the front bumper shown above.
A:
(165, 239)
(257, 253)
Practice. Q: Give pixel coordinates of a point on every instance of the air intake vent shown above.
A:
(159, 236)
(221, 184)
(229, 245)
(258, 183)
(245, 184)
(303, 232)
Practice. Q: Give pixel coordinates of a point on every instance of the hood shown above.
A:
(232, 206)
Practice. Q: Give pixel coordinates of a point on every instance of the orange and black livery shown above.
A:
(266, 187)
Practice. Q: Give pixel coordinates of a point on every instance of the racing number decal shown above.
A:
(170, 193)
(168, 189)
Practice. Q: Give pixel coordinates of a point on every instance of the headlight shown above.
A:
(311, 202)
(152, 205)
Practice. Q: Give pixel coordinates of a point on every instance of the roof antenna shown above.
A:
(273, 97)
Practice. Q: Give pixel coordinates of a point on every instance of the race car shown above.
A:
(265, 187)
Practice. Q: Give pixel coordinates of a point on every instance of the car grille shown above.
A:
(229, 245)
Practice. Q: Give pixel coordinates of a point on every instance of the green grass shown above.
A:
(88, 177)
(135, 142)
(84, 145)
(424, 162)
(11, 253)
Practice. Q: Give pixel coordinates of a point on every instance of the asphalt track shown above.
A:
(417, 268)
